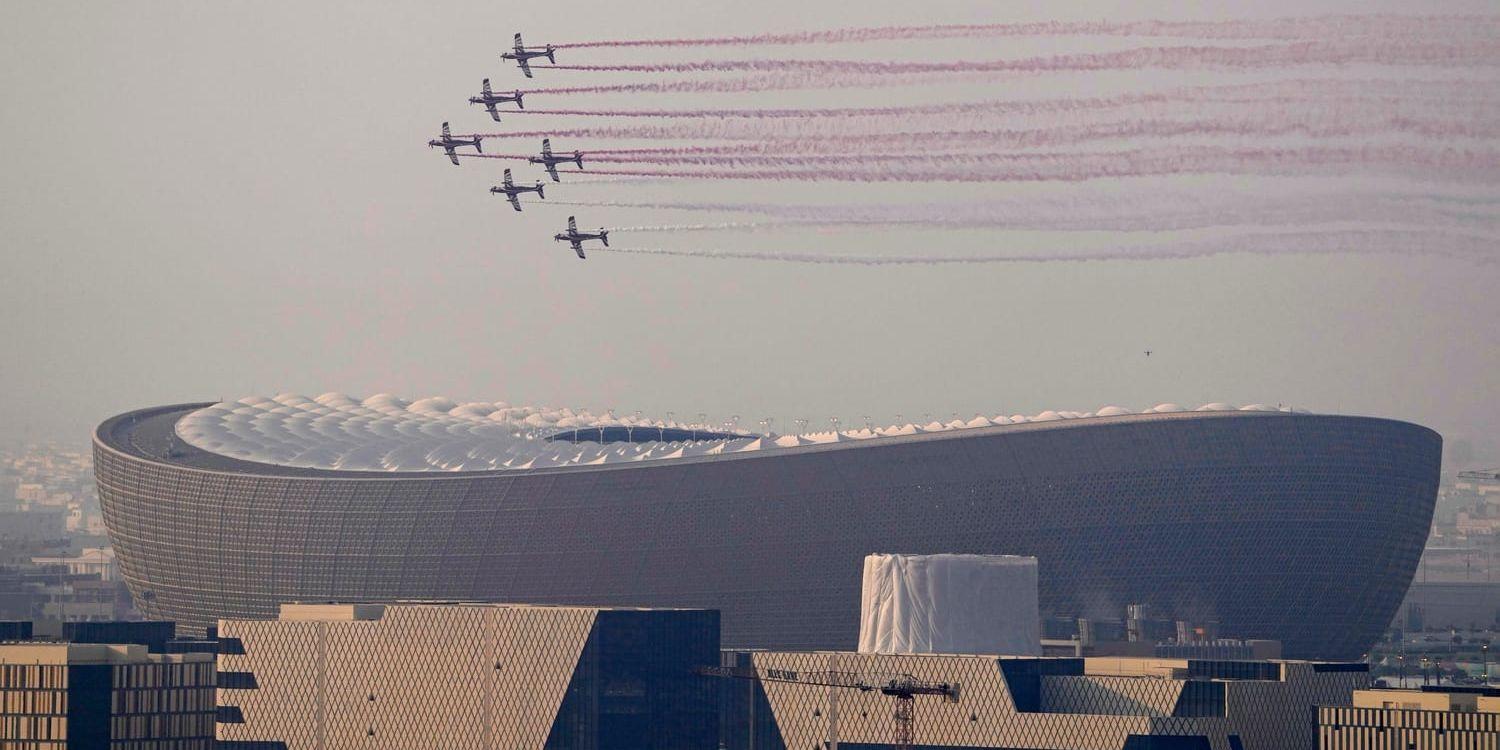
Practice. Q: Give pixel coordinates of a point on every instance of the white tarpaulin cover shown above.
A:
(950, 604)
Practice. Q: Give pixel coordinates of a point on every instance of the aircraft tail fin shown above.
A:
(477, 147)
(519, 105)
(550, 58)
(578, 159)
(539, 192)
(604, 237)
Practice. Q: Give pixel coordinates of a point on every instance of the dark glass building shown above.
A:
(1272, 525)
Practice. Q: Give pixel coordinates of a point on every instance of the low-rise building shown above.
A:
(70, 696)
(1432, 718)
(1107, 703)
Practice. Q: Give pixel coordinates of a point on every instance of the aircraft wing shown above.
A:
(552, 170)
(546, 147)
(525, 66)
(493, 112)
(578, 248)
(452, 155)
(573, 228)
(515, 202)
(508, 182)
(446, 132)
(519, 47)
(486, 87)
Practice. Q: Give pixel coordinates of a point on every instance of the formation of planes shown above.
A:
(547, 159)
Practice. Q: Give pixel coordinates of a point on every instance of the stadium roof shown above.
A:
(384, 433)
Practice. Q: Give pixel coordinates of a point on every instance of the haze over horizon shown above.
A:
(193, 214)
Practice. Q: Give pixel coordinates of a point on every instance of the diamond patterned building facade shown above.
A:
(1295, 527)
(478, 676)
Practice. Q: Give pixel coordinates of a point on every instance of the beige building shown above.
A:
(455, 676)
(72, 696)
(1111, 703)
(1433, 718)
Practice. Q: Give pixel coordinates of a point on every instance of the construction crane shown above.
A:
(903, 687)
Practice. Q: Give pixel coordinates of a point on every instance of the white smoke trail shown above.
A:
(1137, 211)
(1418, 242)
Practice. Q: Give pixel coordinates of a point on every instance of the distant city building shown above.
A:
(1433, 718)
(1035, 703)
(482, 676)
(93, 561)
(1273, 524)
(34, 525)
(1455, 605)
(31, 493)
(64, 696)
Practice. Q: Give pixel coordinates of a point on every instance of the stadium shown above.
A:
(1269, 522)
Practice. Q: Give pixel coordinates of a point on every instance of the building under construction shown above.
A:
(800, 700)
(483, 676)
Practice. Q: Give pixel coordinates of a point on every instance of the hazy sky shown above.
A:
(203, 200)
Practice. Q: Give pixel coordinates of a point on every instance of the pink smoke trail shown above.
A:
(1282, 28)
(1410, 242)
(834, 148)
(787, 80)
(1343, 52)
(1470, 107)
(1449, 164)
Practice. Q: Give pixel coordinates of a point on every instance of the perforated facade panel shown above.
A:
(473, 677)
(1300, 528)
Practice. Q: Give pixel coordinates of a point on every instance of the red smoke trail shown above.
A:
(1469, 106)
(1423, 241)
(834, 148)
(884, 131)
(1302, 53)
(803, 79)
(1284, 28)
(1449, 164)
